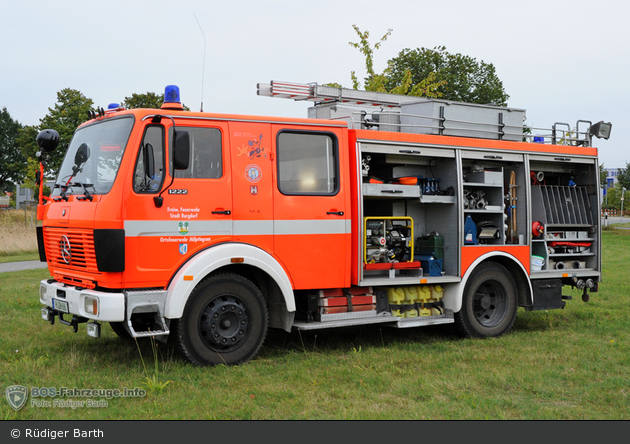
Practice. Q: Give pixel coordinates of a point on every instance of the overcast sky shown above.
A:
(561, 61)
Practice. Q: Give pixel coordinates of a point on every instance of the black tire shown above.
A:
(489, 302)
(224, 322)
(120, 330)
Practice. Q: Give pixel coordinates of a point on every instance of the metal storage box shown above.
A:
(486, 176)
(462, 119)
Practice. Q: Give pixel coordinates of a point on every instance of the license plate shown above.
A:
(60, 305)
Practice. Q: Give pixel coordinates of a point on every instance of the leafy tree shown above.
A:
(12, 162)
(368, 52)
(70, 111)
(427, 86)
(461, 77)
(623, 177)
(148, 100)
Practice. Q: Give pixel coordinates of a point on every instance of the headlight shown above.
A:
(42, 293)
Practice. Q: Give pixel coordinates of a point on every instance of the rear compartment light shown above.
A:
(91, 305)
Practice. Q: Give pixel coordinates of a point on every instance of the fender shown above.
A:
(453, 299)
(204, 263)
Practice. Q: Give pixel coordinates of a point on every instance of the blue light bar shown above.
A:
(113, 106)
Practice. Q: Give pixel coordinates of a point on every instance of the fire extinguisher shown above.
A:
(537, 229)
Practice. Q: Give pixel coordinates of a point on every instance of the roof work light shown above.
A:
(601, 130)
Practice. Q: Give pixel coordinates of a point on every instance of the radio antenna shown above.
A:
(203, 69)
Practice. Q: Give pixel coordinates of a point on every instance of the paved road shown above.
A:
(615, 220)
(19, 266)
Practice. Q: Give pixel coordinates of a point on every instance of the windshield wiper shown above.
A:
(86, 193)
(64, 188)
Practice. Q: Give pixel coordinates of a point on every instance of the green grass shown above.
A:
(562, 364)
(19, 257)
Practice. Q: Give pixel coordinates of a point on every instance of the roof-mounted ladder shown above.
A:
(328, 94)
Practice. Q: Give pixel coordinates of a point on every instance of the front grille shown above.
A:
(79, 256)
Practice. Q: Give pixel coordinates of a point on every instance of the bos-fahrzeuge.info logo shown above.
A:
(16, 396)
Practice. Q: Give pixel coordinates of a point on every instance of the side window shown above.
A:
(206, 154)
(307, 163)
(149, 172)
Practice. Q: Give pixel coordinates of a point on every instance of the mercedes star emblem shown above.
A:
(66, 249)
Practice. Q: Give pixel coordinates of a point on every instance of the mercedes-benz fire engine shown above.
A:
(377, 209)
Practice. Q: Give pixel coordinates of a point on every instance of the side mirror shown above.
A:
(47, 140)
(82, 155)
(181, 154)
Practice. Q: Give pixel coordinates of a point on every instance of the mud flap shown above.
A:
(547, 294)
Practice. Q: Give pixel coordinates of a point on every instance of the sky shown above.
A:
(561, 61)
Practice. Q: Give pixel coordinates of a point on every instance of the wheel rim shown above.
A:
(224, 323)
(490, 303)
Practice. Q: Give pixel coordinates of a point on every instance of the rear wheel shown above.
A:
(489, 302)
(224, 322)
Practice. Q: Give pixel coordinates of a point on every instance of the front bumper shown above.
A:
(66, 299)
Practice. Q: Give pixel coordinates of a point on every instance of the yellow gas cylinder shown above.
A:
(424, 296)
(411, 295)
(437, 293)
(396, 296)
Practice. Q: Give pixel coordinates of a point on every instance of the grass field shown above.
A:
(566, 364)
(17, 233)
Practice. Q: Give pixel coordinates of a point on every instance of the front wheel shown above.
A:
(489, 302)
(224, 322)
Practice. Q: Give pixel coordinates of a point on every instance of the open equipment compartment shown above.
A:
(565, 208)
(419, 183)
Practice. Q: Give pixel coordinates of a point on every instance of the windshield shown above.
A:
(93, 158)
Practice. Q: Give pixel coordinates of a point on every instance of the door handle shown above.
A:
(227, 212)
(336, 213)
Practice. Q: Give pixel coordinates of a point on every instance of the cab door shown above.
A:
(196, 209)
(311, 206)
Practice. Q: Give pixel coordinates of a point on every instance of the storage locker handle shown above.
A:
(391, 191)
(567, 159)
(409, 151)
(493, 157)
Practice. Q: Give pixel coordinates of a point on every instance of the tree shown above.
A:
(148, 100)
(462, 78)
(427, 86)
(623, 177)
(12, 162)
(70, 111)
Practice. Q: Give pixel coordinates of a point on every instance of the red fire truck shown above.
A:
(377, 209)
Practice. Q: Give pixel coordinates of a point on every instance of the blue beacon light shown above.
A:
(171, 98)
(171, 94)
